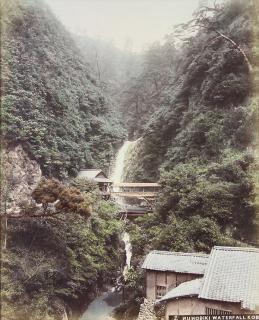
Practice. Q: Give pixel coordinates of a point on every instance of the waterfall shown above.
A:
(128, 249)
(118, 170)
(117, 177)
(102, 307)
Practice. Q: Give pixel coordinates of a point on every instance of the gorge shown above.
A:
(188, 109)
(103, 306)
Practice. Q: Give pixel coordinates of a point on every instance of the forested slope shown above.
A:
(54, 259)
(112, 67)
(145, 90)
(192, 107)
(54, 266)
(51, 102)
(200, 144)
(206, 101)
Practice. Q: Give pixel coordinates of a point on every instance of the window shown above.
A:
(211, 311)
(160, 291)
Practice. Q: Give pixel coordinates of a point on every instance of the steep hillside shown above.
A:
(200, 143)
(144, 91)
(116, 71)
(112, 67)
(136, 81)
(51, 102)
(206, 106)
(55, 266)
(54, 261)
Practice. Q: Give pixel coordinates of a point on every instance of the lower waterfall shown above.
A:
(117, 177)
(128, 249)
(102, 307)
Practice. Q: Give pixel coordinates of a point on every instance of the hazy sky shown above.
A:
(133, 22)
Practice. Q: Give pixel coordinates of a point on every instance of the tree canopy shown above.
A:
(51, 101)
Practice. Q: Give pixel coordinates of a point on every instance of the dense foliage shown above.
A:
(193, 109)
(59, 262)
(199, 142)
(57, 257)
(111, 66)
(144, 90)
(51, 102)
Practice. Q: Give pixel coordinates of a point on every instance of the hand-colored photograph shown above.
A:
(129, 160)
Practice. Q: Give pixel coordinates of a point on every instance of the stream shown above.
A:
(103, 306)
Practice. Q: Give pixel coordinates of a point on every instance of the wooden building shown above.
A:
(99, 177)
(166, 270)
(136, 190)
(138, 197)
(230, 284)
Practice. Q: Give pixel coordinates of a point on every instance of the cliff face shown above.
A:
(21, 177)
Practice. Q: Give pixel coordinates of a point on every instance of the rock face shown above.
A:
(146, 311)
(20, 176)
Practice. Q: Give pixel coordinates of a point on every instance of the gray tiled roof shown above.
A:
(189, 288)
(232, 275)
(89, 173)
(193, 263)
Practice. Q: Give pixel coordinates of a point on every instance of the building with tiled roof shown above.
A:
(186, 289)
(96, 175)
(99, 177)
(166, 270)
(181, 262)
(230, 285)
(232, 275)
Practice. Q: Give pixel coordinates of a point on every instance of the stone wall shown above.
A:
(146, 311)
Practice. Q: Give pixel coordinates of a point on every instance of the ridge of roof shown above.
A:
(90, 174)
(180, 253)
(84, 169)
(133, 184)
(181, 262)
(228, 248)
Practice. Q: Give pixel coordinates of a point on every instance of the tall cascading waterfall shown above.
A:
(102, 307)
(116, 178)
(118, 170)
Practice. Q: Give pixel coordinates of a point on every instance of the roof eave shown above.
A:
(176, 271)
(178, 297)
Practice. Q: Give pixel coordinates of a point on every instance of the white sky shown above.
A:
(138, 22)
